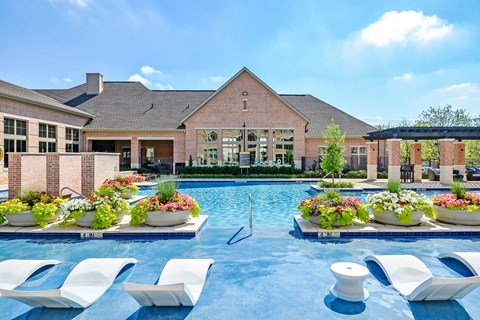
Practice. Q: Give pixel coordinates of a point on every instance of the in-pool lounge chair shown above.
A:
(180, 284)
(87, 282)
(470, 259)
(14, 272)
(411, 277)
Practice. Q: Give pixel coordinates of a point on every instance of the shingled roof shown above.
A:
(130, 106)
(11, 91)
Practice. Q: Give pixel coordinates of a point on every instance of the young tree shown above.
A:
(333, 160)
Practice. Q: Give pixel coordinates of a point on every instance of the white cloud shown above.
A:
(67, 80)
(406, 77)
(149, 70)
(139, 78)
(406, 26)
(461, 86)
(54, 80)
(164, 86)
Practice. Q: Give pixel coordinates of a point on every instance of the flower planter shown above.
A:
(166, 218)
(86, 220)
(461, 217)
(388, 217)
(128, 194)
(316, 220)
(119, 217)
(26, 219)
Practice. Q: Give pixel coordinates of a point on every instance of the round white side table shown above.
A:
(350, 277)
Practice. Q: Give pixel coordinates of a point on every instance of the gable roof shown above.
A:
(320, 114)
(14, 92)
(127, 106)
(245, 69)
(130, 106)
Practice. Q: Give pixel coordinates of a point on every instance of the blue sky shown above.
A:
(379, 60)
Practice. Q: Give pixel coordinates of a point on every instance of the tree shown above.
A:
(333, 160)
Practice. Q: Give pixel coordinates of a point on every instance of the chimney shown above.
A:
(94, 83)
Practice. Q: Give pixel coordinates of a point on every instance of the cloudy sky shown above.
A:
(379, 60)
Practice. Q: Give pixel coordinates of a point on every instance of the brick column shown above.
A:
(372, 159)
(32, 139)
(393, 159)
(446, 160)
(61, 138)
(416, 160)
(14, 175)
(88, 173)
(53, 173)
(135, 161)
(2, 146)
(459, 157)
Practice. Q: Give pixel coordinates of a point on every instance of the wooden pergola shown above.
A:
(450, 139)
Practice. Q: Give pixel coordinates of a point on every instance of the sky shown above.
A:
(382, 61)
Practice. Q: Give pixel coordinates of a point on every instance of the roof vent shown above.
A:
(94, 83)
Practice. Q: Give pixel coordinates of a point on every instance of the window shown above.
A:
(207, 153)
(72, 140)
(232, 140)
(283, 146)
(358, 158)
(47, 136)
(245, 105)
(15, 136)
(258, 146)
(322, 151)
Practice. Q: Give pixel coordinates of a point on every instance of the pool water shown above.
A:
(273, 204)
(272, 275)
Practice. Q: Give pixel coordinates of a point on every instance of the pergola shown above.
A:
(450, 139)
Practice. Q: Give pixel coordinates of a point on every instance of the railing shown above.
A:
(250, 213)
(71, 190)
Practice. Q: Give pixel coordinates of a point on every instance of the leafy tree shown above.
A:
(333, 160)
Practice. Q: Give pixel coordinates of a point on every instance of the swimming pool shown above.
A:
(273, 203)
(272, 275)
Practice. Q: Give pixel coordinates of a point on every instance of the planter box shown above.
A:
(167, 218)
(461, 217)
(388, 217)
(26, 219)
(316, 220)
(88, 219)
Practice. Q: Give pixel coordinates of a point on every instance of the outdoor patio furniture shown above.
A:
(433, 175)
(472, 176)
(85, 284)
(14, 272)
(412, 279)
(407, 173)
(180, 284)
(470, 259)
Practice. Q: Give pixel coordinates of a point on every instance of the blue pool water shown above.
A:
(272, 275)
(274, 203)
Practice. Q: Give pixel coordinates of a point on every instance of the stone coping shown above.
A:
(427, 228)
(145, 184)
(121, 230)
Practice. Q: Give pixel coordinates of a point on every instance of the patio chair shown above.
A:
(412, 279)
(433, 175)
(470, 259)
(85, 284)
(14, 272)
(180, 284)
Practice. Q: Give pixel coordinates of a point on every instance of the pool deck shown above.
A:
(122, 230)
(427, 228)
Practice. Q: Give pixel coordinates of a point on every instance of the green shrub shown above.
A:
(340, 184)
(393, 186)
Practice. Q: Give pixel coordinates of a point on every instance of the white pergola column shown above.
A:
(416, 160)
(372, 159)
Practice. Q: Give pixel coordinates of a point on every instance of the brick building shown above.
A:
(163, 129)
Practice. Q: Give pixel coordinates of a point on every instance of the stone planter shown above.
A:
(388, 217)
(167, 218)
(119, 217)
(86, 220)
(26, 219)
(128, 194)
(315, 220)
(461, 217)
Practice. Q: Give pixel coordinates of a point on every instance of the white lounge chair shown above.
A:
(180, 284)
(470, 259)
(14, 272)
(411, 277)
(87, 282)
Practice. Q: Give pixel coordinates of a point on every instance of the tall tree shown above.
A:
(333, 160)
